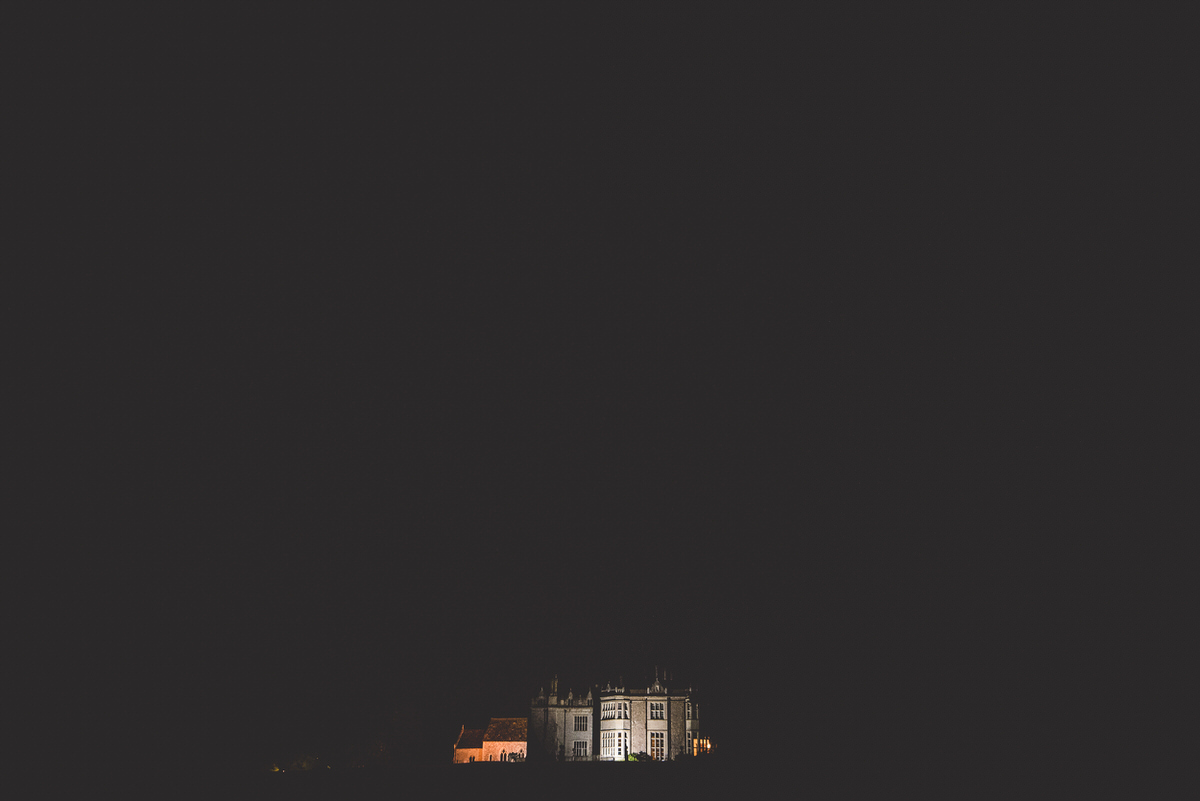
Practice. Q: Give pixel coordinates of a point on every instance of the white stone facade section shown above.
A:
(633, 721)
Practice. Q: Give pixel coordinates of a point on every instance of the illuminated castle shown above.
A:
(661, 723)
(656, 721)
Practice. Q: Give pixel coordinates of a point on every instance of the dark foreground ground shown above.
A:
(785, 776)
(576, 782)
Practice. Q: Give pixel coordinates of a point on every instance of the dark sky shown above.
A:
(475, 350)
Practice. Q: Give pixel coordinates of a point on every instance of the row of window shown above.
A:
(614, 744)
(614, 709)
(620, 709)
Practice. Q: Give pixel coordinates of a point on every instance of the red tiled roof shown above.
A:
(470, 738)
(507, 730)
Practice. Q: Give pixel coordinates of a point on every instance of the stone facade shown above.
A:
(561, 729)
(656, 721)
(505, 740)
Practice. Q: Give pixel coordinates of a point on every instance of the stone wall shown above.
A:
(676, 717)
(492, 750)
(638, 741)
(465, 754)
(552, 727)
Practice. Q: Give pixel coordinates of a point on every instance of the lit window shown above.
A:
(657, 744)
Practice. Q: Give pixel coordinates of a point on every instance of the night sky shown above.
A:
(479, 349)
